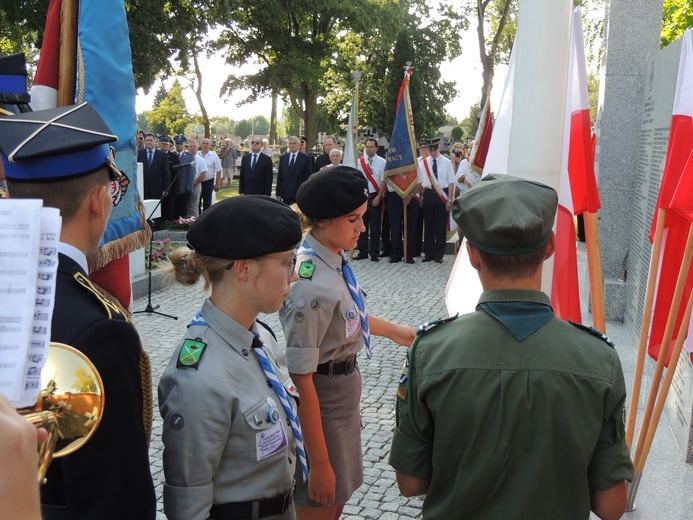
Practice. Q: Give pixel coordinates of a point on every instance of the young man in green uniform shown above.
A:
(510, 412)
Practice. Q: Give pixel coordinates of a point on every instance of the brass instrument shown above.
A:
(69, 407)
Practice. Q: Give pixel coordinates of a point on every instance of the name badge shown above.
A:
(270, 441)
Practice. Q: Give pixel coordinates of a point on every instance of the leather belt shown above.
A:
(244, 510)
(340, 368)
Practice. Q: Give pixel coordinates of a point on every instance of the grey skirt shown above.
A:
(340, 399)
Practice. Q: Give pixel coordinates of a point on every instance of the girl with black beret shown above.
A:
(326, 323)
(232, 439)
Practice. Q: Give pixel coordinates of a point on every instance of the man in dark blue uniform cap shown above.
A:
(63, 156)
(509, 411)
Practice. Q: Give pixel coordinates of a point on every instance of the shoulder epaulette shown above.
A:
(430, 324)
(111, 309)
(594, 332)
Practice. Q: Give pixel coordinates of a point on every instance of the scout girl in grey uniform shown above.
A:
(326, 324)
(232, 442)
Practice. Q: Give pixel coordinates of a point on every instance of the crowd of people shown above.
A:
(495, 417)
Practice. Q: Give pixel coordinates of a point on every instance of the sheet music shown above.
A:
(29, 235)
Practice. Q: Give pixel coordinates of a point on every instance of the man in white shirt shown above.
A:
(212, 180)
(437, 202)
(372, 166)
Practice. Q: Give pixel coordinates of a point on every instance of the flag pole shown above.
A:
(405, 209)
(664, 349)
(645, 326)
(594, 267)
(68, 52)
(357, 77)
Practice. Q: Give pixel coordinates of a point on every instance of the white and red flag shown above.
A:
(44, 91)
(676, 197)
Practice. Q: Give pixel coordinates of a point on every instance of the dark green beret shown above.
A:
(506, 215)
(332, 192)
(248, 226)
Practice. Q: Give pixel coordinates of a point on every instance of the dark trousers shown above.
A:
(180, 205)
(435, 218)
(167, 208)
(206, 196)
(395, 212)
(371, 221)
(418, 237)
(385, 228)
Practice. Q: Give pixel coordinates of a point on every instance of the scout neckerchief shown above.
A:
(434, 184)
(368, 171)
(355, 291)
(261, 354)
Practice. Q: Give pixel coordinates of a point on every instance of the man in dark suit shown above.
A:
(157, 176)
(168, 204)
(294, 169)
(70, 165)
(256, 173)
(329, 143)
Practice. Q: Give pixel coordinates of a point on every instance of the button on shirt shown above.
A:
(445, 174)
(213, 165)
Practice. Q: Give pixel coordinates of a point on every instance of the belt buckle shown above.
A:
(350, 365)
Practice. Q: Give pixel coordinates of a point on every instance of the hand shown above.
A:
(404, 335)
(448, 205)
(217, 186)
(322, 484)
(376, 200)
(406, 200)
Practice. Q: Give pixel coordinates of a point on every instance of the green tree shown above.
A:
(291, 123)
(142, 123)
(677, 16)
(470, 123)
(85, 381)
(244, 128)
(261, 125)
(170, 116)
(457, 133)
(222, 125)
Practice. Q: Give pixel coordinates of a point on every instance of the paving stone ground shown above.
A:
(409, 294)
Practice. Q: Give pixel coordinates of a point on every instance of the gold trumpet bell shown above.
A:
(69, 407)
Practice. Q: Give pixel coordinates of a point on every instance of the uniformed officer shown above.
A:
(231, 436)
(326, 324)
(437, 201)
(510, 411)
(63, 156)
(186, 178)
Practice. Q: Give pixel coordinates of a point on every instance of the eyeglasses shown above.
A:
(289, 263)
(458, 154)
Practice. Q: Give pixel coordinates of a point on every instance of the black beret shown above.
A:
(506, 215)
(332, 192)
(55, 144)
(248, 226)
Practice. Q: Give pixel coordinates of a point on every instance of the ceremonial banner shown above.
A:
(350, 148)
(401, 167)
(477, 159)
(496, 160)
(44, 91)
(675, 196)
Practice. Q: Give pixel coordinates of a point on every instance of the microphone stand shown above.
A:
(151, 309)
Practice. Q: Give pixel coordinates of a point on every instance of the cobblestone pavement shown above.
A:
(411, 294)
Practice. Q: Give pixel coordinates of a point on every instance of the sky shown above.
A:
(464, 71)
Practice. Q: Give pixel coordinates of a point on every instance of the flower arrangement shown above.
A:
(161, 249)
(182, 223)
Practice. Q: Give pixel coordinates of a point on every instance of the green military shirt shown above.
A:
(512, 413)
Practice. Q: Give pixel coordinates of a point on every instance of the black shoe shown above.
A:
(427, 260)
(395, 260)
(360, 257)
(439, 261)
(384, 253)
(375, 259)
(410, 261)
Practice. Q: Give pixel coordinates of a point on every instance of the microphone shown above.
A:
(179, 166)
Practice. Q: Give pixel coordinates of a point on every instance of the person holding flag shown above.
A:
(372, 167)
(538, 424)
(232, 439)
(326, 324)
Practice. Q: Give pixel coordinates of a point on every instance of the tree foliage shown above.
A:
(170, 116)
(677, 16)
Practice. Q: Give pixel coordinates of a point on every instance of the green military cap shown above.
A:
(506, 215)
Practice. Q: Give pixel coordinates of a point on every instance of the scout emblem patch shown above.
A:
(191, 353)
(306, 270)
(402, 388)
(300, 303)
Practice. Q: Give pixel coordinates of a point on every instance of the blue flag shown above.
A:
(401, 167)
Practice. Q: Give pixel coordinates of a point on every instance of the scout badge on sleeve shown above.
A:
(191, 353)
(306, 270)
